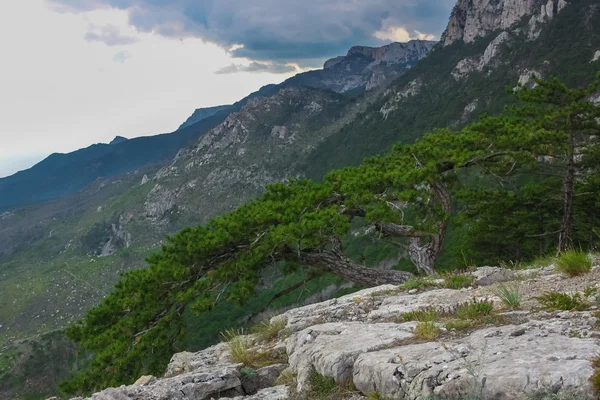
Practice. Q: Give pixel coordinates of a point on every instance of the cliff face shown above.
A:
(365, 67)
(471, 19)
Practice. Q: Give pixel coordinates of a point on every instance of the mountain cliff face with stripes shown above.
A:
(78, 245)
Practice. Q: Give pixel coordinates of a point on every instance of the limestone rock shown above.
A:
(273, 393)
(493, 49)
(144, 179)
(472, 19)
(262, 378)
(596, 56)
(485, 276)
(159, 202)
(525, 79)
(145, 380)
(213, 357)
(195, 385)
(502, 365)
(464, 67)
(334, 347)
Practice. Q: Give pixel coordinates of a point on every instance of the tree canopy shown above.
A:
(542, 147)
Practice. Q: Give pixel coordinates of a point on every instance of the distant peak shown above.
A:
(119, 139)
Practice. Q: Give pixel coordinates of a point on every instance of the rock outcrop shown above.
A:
(472, 19)
(365, 339)
(365, 67)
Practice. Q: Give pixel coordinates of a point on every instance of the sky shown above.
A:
(78, 72)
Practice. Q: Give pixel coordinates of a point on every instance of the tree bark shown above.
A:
(424, 253)
(337, 262)
(566, 235)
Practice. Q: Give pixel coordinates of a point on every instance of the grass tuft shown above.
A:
(427, 330)
(510, 294)
(574, 263)
(269, 330)
(554, 301)
(324, 388)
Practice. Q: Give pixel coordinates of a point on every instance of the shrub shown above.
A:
(426, 315)
(269, 329)
(323, 388)
(560, 301)
(595, 379)
(510, 294)
(427, 330)
(474, 311)
(241, 350)
(458, 281)
(574, 263)
(416, 283)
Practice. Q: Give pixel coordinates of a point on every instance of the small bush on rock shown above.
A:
(510, 294)
(574, 263)
(427, 330)
(269, 329)
(458, 281)
(554, 301)
(323, 388)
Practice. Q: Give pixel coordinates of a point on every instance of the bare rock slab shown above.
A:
(494, 360)
(331, 349)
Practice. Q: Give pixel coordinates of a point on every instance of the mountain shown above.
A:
(60, 175)
(53, 263)
(203, 113)
(364, 67)
(64, 174)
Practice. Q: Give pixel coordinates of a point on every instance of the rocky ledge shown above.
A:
(419, 341)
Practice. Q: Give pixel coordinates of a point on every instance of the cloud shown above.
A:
(121, 57)
(284, 31)
(110, 35)
(258, 67)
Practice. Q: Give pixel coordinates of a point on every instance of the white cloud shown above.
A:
(61, 92)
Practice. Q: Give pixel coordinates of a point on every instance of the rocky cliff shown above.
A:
(401, 343)
(365, 67)
(473, 19)
(203, 113)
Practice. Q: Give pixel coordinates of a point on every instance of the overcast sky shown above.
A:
(78, 72)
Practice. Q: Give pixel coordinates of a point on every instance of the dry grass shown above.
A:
(574, 263)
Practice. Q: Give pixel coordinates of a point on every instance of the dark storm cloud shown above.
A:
(109, 35)
(280, 30)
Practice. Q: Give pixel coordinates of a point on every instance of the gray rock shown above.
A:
(486, 276)
(503, 366)
(274, 393)
(262, 378)
(190, 386)
(213, 357)
(332, 348)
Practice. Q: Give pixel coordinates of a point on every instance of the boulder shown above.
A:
(331, 349)
(486, 276)
(213, 357)
(145, 380)
(262, 378)
(195, 385)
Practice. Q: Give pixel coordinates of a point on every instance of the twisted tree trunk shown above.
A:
(337, 262)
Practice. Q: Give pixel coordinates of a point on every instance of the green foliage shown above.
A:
(574, 262)
(323, 388)
(458, 281)
(269, 329)
(510, 294)
(427, 330)
(595, 378)
(473, 311)
(404, 198)
(427, 315)
(553, 300)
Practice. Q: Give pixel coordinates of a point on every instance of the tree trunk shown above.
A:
(337, 262)
(566, 235)
(423, 254)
